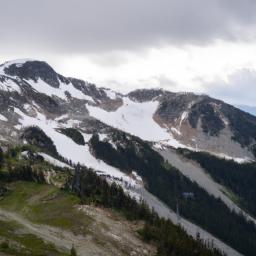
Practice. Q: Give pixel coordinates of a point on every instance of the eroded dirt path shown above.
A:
(114, 237)
(47, 233)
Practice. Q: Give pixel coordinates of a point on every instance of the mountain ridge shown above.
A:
(189, 120)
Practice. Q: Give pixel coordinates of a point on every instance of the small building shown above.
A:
(188, 195)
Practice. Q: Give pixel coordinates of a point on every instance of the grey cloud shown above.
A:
(110, 59)
(240, 88)
(163, 81)
(102, 25)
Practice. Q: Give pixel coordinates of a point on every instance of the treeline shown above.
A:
(171, 240)
(117, 158)
(211, 123)
(239, 178)
(73, 134)
(30, 167)
(39, 141)
(242, 125)
(14, 172)
(168, 184)
(36, 136)
(10, 171)
(22, 172)
(130, 153)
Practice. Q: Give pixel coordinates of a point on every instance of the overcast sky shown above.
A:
(203, 46)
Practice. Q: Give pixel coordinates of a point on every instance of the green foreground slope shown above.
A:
(40, 219)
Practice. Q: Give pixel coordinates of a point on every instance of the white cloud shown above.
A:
(190, 68)
(201, 69)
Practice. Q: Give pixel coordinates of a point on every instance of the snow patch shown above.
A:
(236, 159)
(9, 86)
(175, 131)
(60, 92)
(111, 94)
(73, 122)
(170, 142)
(183, 117)
(24, 154)
(87, 136)
(67, 148)
(102, 137)
(54, 161)
(3, 118)
(113, 144)
(27, 107)
(137, 119)
(137, 177)
(133, 117)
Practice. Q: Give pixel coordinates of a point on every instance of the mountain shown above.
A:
(32, 89)
(139, 141)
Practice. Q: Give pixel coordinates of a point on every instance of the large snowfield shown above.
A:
(137, 119)
(134, 118)
(67, 148)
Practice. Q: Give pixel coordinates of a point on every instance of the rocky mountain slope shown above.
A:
(119, 136)
(33, 89)
(104, 231)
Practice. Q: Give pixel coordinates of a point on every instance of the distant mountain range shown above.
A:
(248, 109)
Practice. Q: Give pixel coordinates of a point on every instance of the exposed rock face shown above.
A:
(195, 121)
(203, 123)
(34, 70)
(147, 95)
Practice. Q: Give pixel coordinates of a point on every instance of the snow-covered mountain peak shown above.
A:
(17, 62)
(32, 70)
(163, 117)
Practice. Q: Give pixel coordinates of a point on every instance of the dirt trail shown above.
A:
(49, 234)
(115, 237)
(63, 240)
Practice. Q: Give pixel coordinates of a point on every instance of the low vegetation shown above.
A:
(14, 241)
